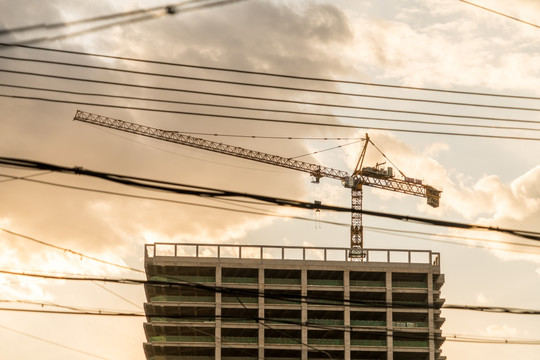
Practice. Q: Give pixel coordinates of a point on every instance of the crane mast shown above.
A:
(373, 177)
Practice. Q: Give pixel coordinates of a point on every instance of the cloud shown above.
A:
(287, 38)
(481, 299)
(435, 46)
(485, 201)
(500, 331)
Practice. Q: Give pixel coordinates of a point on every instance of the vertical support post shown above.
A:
(347, 313)
(357, 229)
(218, 322)
(304, 313)
(261, 311)
(389, 317)
(431, 314)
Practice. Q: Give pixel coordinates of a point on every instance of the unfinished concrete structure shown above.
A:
(284, 303)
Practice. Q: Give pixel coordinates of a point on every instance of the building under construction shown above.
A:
(264, 302)
(282, 303)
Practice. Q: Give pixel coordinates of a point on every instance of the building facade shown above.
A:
(230, 302)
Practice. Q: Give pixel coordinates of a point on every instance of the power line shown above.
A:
(290, 297)
(343, 116)
(11, 178)
(268, 86)
(402, 233)
(167, 11)
(280, 111)
(267, 74)
(260, 98)
(71, 309)
(53, 343)
(70, 251)
(265, 320)
(267, 119)
(500, 13)
(76, 312)
(264, 323)
(194, 190)
(117, 295)
(92, 19)
(401, 336)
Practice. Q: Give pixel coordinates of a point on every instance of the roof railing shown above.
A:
(260, 252)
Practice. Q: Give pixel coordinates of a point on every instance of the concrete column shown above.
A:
(218, 314)
(431, 316)
(389, 317)
(261, 312)
(304, 315)
(347, 313)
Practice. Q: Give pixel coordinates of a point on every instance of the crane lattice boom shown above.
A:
(183, 139)
(361, 176)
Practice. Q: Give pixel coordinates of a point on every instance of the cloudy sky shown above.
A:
(489, 174)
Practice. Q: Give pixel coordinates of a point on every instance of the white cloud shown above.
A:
(440, 45)
(482, 299)
(485, 201)
(500, 331)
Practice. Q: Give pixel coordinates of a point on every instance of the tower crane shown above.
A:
(377, 177)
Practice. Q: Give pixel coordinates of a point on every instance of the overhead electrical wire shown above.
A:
(68, 309)
(117, 295)
(260, 212)
(76, 312)
(266, 325)
(267, 86)
(193, 190)
(273, 214)
(401, 336)
(256, 293)
(280, 111)
(167, 11)
(103, 105)
(11, 178)
(516, 247)
(283, 111)
(81, 255)
(53, 343)
(168, 8)
(500, 13)
(268, 74)
(268, 99)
